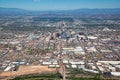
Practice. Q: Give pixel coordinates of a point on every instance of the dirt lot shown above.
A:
(28, 70)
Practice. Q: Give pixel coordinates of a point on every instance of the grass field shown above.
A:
(56, 76)
(39, 77)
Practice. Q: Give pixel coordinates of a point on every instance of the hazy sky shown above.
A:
(59, 4)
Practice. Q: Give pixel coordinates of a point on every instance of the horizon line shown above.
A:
(56, 9)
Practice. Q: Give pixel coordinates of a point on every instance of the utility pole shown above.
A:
(60, 60)
(61, 63)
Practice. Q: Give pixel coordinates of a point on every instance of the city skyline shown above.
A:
(42, 5)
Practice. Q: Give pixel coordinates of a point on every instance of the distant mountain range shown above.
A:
(17, 11)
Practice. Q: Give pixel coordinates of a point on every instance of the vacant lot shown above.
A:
(23, 70)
